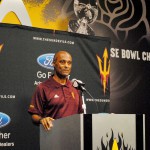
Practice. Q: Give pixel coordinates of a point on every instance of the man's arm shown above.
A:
(47, 122)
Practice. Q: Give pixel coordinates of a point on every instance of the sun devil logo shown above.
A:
(114, 143)
(104, 68)
(1, 46)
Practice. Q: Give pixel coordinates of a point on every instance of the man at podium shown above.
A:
(56, 97)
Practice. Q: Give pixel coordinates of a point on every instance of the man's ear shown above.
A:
(53, 63)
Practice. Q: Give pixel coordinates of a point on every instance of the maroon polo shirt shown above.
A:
(54, 100)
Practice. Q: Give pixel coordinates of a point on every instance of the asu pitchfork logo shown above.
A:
(1, 46)
(104, 67)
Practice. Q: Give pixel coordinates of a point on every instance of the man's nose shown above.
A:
(66, 65)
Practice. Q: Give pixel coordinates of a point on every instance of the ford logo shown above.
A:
(4, 119)
(46, 60)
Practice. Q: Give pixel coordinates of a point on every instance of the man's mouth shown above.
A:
(65, 71)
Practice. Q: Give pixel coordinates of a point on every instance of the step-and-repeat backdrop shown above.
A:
(26, 60)
(126, 23)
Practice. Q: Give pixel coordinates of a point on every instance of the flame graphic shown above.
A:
(105, 69)
(114, 144)
(1, 46)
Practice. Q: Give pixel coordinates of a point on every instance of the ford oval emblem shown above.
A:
(4, 119)
(46, 60)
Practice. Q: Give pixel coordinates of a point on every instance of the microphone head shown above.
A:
(80, 82)
(76, 83)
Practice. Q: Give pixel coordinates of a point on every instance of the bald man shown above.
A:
(56, 97)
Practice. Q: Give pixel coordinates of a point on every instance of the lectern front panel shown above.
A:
(65, 135)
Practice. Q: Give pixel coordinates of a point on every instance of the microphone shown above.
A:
(78, 84)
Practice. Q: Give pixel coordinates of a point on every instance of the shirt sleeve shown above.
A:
(37, 102)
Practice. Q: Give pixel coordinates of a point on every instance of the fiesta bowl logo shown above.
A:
(46, 60)
(4, 119)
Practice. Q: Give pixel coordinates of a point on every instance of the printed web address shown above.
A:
(7, 96)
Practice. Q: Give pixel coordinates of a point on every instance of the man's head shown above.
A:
(62, 64)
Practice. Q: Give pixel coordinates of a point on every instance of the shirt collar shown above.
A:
(57, 85)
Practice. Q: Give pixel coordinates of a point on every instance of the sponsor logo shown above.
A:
(46, 60)
(104, 67)
(4, 119)
(56, 96)
(43, 75)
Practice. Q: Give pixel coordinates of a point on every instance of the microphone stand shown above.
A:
(83, 101)
(80, 86)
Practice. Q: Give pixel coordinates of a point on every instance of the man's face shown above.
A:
(63, 64)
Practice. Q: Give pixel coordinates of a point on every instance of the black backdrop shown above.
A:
(127, 23)
(21, 71)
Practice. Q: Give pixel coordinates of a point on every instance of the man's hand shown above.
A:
(47, 123)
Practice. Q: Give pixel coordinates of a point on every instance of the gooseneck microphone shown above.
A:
(78, 84)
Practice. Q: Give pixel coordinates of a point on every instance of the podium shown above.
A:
(93, 132)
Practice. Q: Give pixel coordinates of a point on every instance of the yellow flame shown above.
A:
(115, 145)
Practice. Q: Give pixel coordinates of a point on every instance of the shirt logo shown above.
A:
(31, 106)
(56, 96)
(73, 95)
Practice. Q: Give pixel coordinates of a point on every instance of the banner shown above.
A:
(26, 60)
(127, 23)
